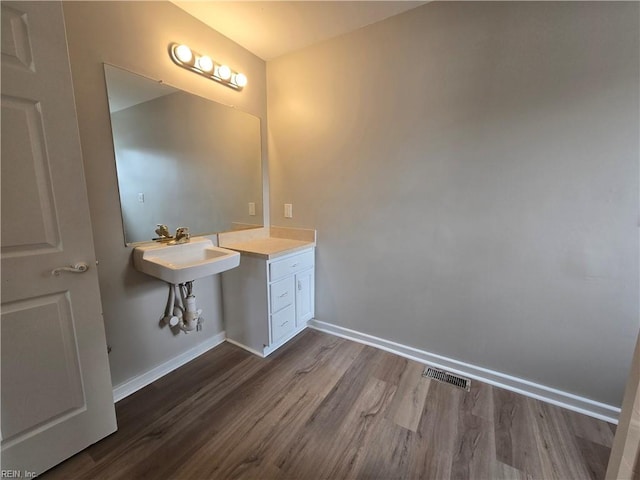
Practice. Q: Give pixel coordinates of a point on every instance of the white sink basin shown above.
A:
(184, 262)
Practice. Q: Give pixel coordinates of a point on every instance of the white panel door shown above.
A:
(56, 393)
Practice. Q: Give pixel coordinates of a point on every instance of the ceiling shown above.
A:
(270, 29)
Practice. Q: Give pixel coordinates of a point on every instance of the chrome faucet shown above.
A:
(182, 235)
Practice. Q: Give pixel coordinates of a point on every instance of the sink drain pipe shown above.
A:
(181, 310)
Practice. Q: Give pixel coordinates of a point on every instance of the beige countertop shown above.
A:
(268, 242)
(269, 247)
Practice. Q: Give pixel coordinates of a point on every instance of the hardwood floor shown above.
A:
(325, 407)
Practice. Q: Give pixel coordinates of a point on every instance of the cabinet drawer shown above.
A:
(282, 294)
(282, 323)
(288, 266)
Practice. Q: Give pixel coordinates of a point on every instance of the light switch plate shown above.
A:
(288, 210)
(252, 208)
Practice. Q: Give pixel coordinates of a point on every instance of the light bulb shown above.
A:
(183, 53)
(224, 72)
(205, 64)
(240, 80)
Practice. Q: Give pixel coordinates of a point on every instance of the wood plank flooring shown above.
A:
(322, 408)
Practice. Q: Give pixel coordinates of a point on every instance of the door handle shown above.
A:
(79, 267)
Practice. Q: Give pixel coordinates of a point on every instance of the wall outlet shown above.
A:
(288, 210)
(141, 197)
(252, 208)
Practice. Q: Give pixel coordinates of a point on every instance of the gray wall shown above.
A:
(196, 162)
(472, 170)
(136, 36)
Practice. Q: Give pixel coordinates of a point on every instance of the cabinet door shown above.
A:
(304, 296)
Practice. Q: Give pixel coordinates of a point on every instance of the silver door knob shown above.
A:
(79, 267)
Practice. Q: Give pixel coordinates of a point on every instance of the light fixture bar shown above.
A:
(203, 65)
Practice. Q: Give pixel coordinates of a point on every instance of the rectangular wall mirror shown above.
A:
(182, 160)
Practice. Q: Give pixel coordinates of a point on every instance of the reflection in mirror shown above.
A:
(181, 160)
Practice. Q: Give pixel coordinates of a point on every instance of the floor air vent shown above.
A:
(445, 377)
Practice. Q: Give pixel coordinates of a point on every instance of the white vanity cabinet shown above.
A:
(266, 301)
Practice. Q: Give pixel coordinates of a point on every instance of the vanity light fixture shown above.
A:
(203, 65)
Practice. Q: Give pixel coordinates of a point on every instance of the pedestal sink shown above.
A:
(184, 262)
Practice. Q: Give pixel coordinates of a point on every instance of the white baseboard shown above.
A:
(285, 339)
(567, 400)
(266, 351)
(244, 347)
(136, 383)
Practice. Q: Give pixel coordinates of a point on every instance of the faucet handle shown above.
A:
(182, 233)
(163, 231)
